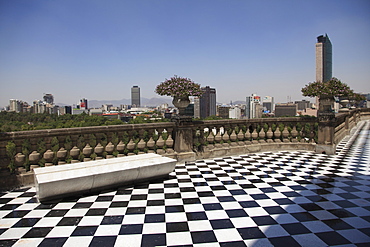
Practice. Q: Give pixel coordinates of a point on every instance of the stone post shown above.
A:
(183, 134)
(326, 129)
(325, 135)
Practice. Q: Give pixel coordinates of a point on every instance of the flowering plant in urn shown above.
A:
(331, 88)
(179, 87)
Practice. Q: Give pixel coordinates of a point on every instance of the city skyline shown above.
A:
(96, 50)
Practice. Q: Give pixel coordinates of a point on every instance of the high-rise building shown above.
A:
(135, 96)
(253, 107)
(268, 104)
(196, 107)
(83, 104)
(207, 102)
(49, 98)
(324, 62)
(15, 105)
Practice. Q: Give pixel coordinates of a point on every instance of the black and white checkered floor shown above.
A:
(267, 199)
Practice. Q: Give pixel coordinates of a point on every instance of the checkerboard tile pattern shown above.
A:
(264, 199)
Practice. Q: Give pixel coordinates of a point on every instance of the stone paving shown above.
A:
(265, 199)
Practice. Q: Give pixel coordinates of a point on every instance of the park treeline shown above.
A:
(13, 121)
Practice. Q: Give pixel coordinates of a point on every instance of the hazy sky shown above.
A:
(99, 49)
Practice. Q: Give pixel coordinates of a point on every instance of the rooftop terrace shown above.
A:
(284, 198)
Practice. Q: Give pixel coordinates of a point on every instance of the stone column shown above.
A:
(183, 134)
(325, 135)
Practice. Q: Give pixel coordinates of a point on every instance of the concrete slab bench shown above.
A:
(56, 182)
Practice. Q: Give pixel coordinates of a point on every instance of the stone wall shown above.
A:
(184, 140)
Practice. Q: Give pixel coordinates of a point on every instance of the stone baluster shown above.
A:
(47, 142)
(210, 137)
(254, 134)
(169, 142)
(248, 135)
(312, 132)
(87, 139)
(285, 134)
(75, 153)
(131, 145)
(233, 137)
(277, 133)
(74, 139)
(121, 146)
(294, 134)
(33, 143)
(109, 137)
(262, 134)
(226, 136)
(48, 157)
(99, 150)
(218, 137)
(18, 145)
(151, 143)
(160, 142)
(109, 148)
(269, 134)
(241, 136)
(305, 133)
(62, 155)
(87, 151)
(61, 140)
(19, 160)
(196, 138)
(141, 145)
(34, 159)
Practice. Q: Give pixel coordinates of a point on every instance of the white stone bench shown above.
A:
(58, 181)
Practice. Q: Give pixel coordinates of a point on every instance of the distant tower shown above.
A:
(253, 107)
(207, 102)
(49, 98)
(324, 62)
(135, 96)
(83, 104)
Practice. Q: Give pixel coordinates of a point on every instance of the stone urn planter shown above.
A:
(326, 104)
(344, 103)
(181, 103)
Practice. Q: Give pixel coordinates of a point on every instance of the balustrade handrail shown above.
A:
(164, 138)
(11, 136)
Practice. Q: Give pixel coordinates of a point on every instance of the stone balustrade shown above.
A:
(186, 140)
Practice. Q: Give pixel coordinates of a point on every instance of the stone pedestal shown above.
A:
(184, 134)
(326, 130)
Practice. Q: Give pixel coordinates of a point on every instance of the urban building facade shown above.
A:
(235, 112)
(207, 102)
(135, 96)
(303, 105)
(268, 104)
(83, 104)
(223, 111)
(49, 98)
(285, 110)
(253, 107)
(324, 62)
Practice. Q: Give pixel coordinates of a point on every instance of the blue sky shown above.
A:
(99, 49)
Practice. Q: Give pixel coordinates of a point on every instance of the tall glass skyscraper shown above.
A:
(324, 62)
(207, 102)
(135, 96)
